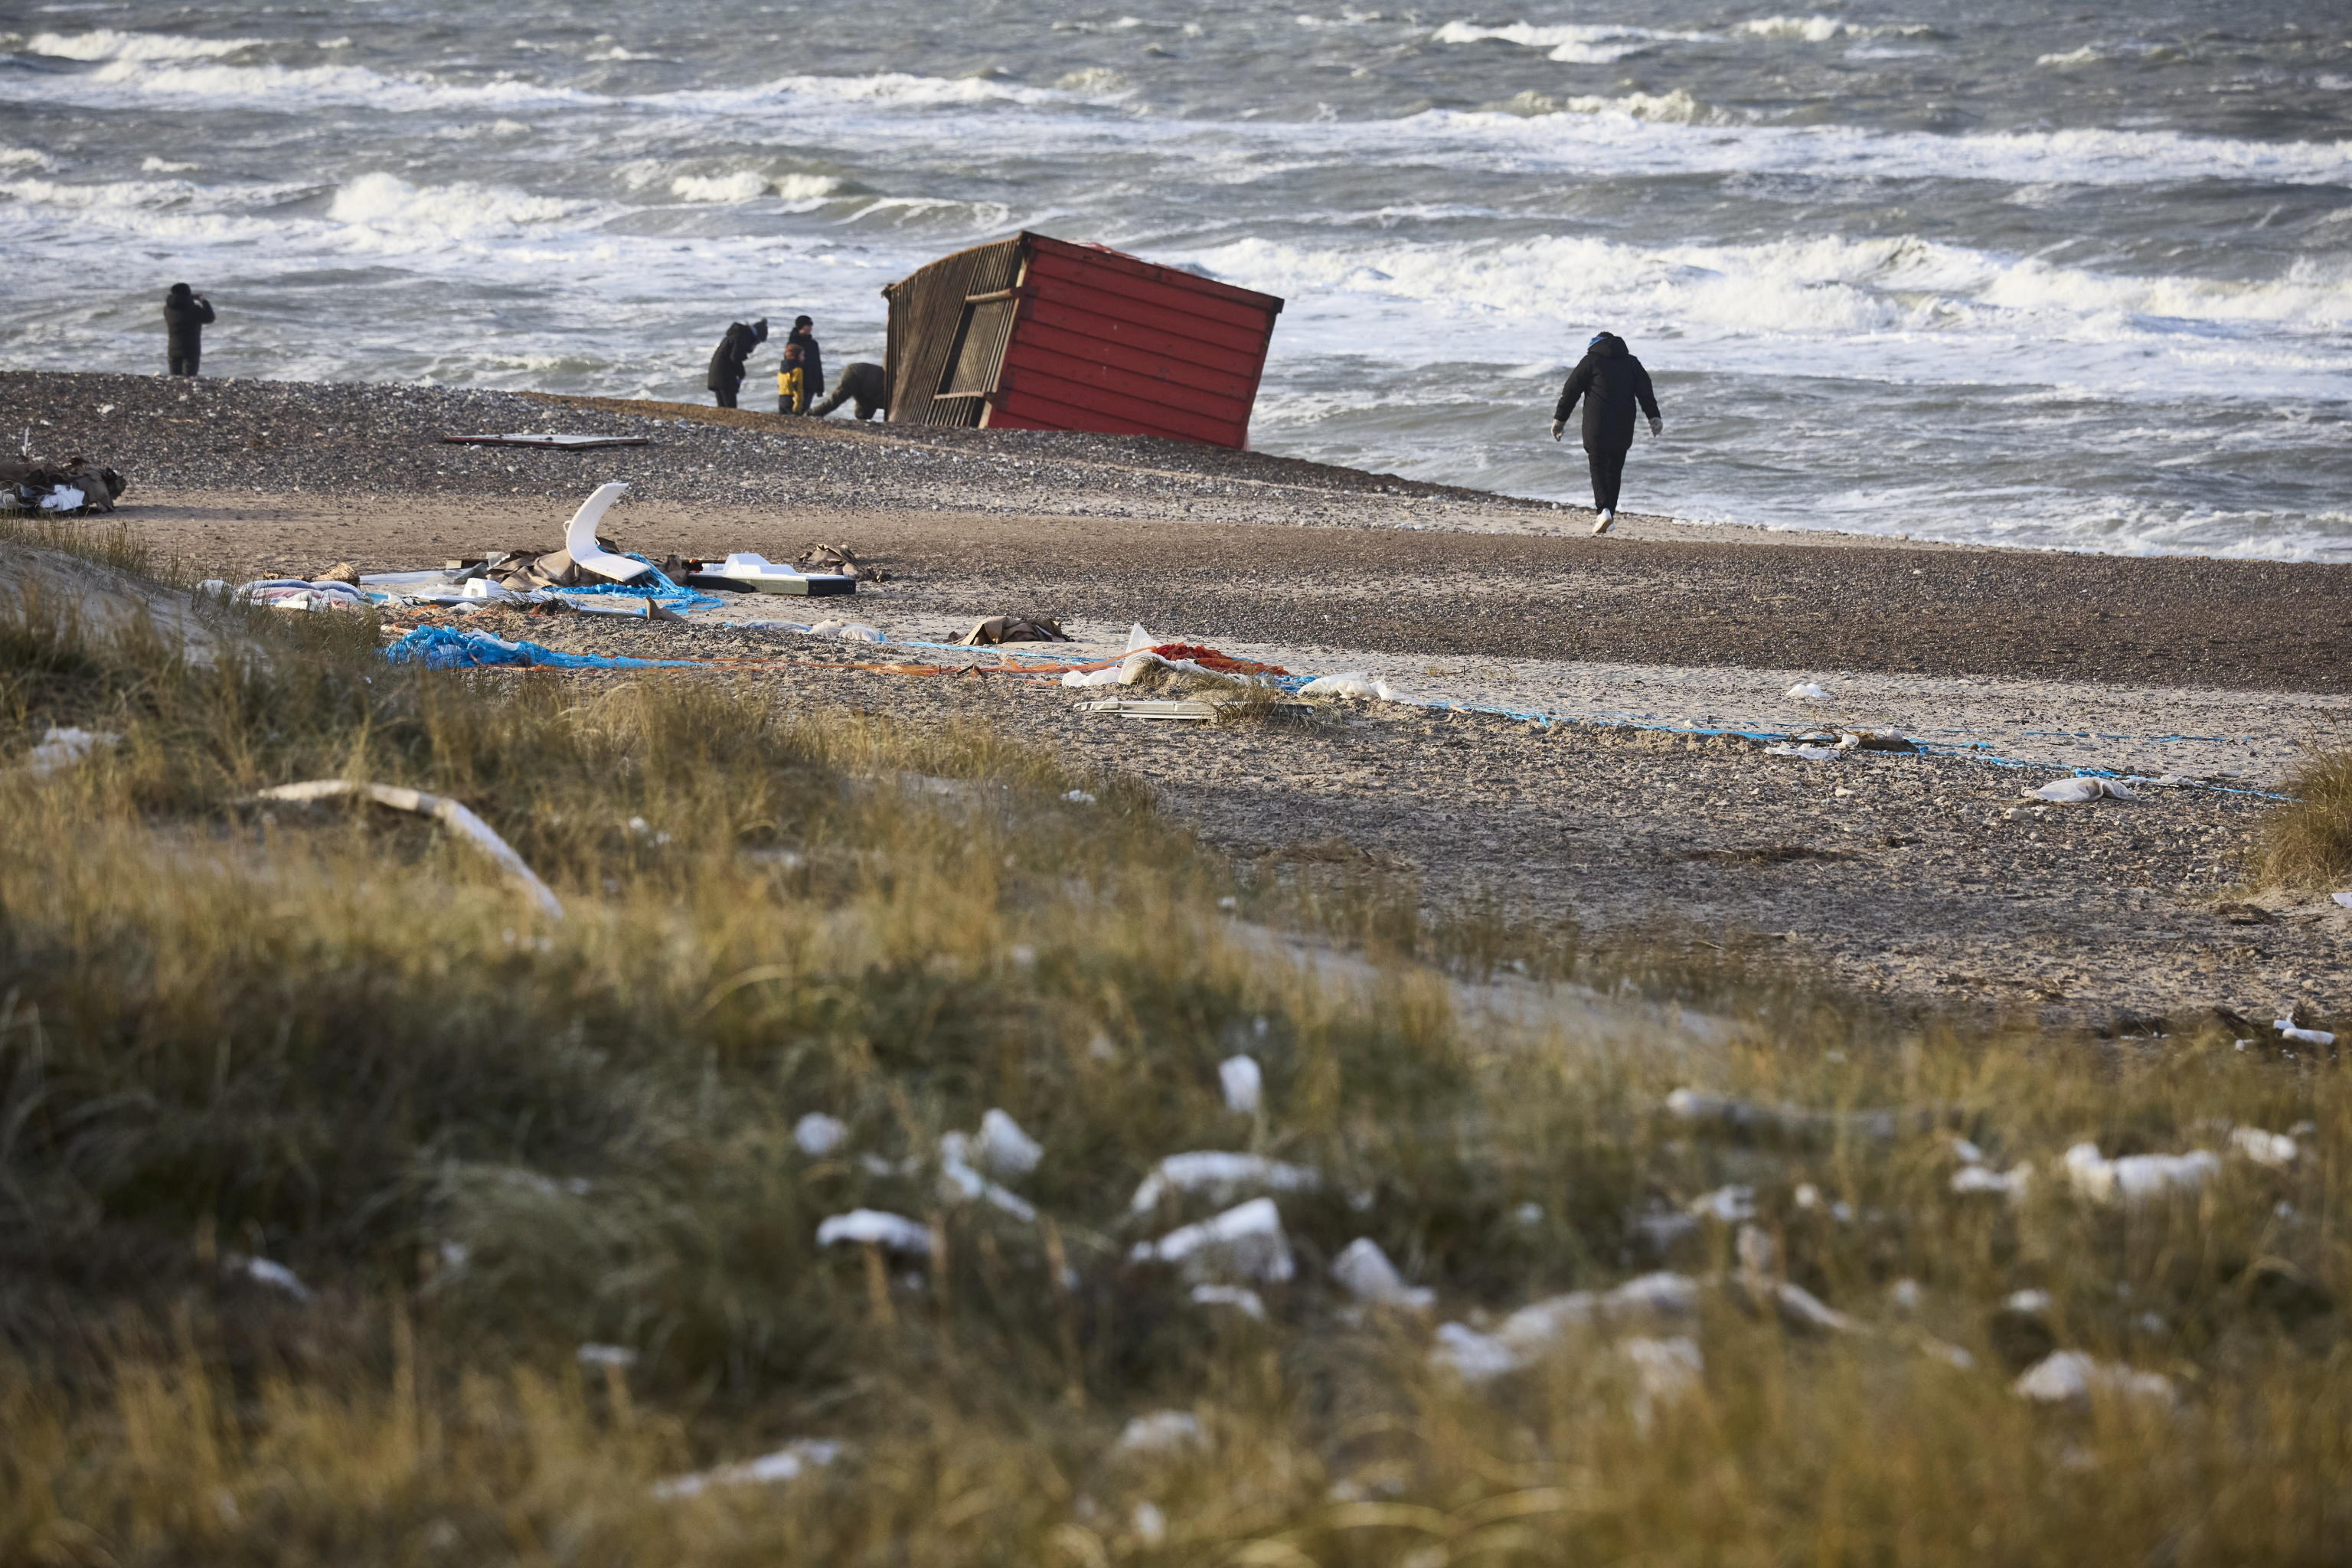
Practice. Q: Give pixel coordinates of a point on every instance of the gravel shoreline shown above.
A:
(1922, 879)
(1233, 546)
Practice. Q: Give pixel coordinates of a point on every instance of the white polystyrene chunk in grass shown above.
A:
(1364, 1271)
(2275, 1150)
(2288, 1031)
(1241, 1297)
(277, 1276)
(1665, 1372)
(1730, 1205)
(876, 1227)
(2082, 790)
(962, 1182)
(447, 812)
(786, 1464)
(1246, 1242)
(580, 538)
(1243, 1083)
(1809, 691)
(606, 1355)
(817, 1135)
(2343, 898)
(1983, 1179)
(65, 748)
(2137, 1178)
(1471, 1355)
(2072, 1377)
(1003, 1149)
(1162, 1432)
(1221, 1176)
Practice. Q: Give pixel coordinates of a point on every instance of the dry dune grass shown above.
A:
(481, 1139)
(2309, 841)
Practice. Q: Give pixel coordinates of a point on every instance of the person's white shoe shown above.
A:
(1606, 519)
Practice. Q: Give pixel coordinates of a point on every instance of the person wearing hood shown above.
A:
(804, 332)
(1611, 382)
(187, 314)
(730, 360)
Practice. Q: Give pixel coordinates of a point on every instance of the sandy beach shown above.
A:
(1598, 794)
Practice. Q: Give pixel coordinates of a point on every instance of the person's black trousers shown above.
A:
(725, 395)
(185, 363)
(1608, 473)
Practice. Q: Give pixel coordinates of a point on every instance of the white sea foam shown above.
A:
(1575, 43)
(887, 89)
(106, 44)
(128, 81)
(741, 186)
(391, 205)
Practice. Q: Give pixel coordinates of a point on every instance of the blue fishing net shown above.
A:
(447, 648)
(652, 586)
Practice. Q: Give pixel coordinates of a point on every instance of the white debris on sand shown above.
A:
(2288, 1030)
(817, 1135)
(1807, 692)
(1243, 1083)
(1163, 1432)
(2072, 1377)
(1221, 1177)
(789, 1463)
(1805, 753)
(852, 631)
(2137, 1178)
(877, 1228)
(1350, 683)
(2082, 790)
(1365, 1272)
(1243, 1243)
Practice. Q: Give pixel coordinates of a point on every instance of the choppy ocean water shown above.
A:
(1998, 270)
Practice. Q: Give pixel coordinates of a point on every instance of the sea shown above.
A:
(2072, 276)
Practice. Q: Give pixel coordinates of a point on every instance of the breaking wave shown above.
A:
(1575, 43)
(391, 206)
(106, 44)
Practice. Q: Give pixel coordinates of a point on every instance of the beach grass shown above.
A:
(324, 1152)
(2307, 843)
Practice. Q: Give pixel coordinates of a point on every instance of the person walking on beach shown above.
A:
(187, 314)
(730, 359)
(804, 332)
(1611, 380)
(863, 382)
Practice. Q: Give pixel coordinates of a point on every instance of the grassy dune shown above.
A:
(478, 1138)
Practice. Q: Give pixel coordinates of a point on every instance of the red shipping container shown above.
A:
(1036, 333)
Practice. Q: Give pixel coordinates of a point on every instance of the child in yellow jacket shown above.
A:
(792, 382)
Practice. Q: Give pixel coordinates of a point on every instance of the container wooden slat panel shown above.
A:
(1056, 336)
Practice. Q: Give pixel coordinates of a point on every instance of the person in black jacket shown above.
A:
(863, 382)
(804, 332)
(1611, 380)
(729, 359)
(187, 314)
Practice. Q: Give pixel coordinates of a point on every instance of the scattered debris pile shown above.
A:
(76, 485)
